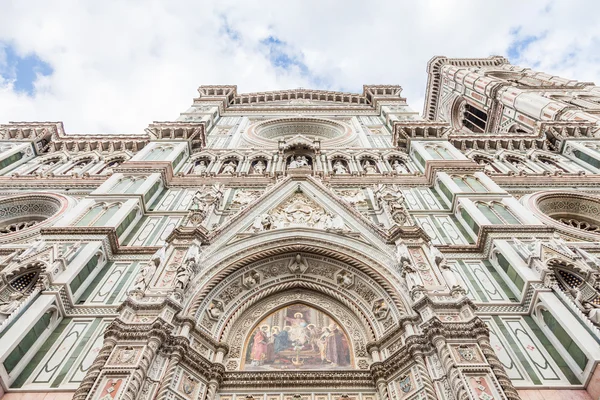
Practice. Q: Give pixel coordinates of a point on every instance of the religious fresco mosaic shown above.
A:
(297, 337)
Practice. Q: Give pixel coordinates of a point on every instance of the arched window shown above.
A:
(108, 167)
(158, 153)
(127, 185)
(551, 164)
(98, 215)
(497, 213)
(489, 164)
(516, 128)
(438, 152)
(519, 164)
(469, 184)
(474, 119)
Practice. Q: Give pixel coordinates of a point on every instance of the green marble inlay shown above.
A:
(135, 230)
(554, 353)
(41, 353)
(512, 274)
(474, 283)
(500, 281)
(122, 281)
(82, 342)
(565, 339)
(94, 284)
(517, 350)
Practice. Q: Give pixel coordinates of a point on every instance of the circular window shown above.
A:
(26, 213)
(573, 213)
(268, 133)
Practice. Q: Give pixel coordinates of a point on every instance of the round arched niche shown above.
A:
(267, 133)
(572, 213)
(25, 214)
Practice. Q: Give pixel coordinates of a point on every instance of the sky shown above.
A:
(114, 66)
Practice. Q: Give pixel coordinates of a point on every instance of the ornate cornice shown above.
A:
(434, 78)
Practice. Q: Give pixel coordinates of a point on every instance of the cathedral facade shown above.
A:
(311, 245)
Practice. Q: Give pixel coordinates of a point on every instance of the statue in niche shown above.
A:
(398, 167)
(230, 167)
(405, 267)
(189, 267)
(369, 167)
(259, 167)
(298, 162)
(442, 263)
(79, 167)
(143, 278)
(339, 168)
(7, 307)
(42, 169)
(200, 168)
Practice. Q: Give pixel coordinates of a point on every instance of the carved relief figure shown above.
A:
(7, 307)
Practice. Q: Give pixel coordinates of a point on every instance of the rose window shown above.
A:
(25, 212)
(575, 214)
(580, 224)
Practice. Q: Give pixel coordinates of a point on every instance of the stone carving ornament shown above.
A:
(7, 307)
(391, 199)
(142, 280)
(298, 162)
(298, 211)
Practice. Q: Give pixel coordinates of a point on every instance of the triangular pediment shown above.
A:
(298, 210)
(300, 203)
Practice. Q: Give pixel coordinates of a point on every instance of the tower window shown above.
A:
(474, 119)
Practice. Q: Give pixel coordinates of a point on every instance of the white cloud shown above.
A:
(118, 65)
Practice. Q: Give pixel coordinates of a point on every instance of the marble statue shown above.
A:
(200, 168)
(339, 168)
(230, 167)
(259, 167)
(369, 167)
(298, 162)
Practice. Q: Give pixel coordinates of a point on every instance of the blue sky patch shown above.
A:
(281, 56)
(520, 43)
(22, 71)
